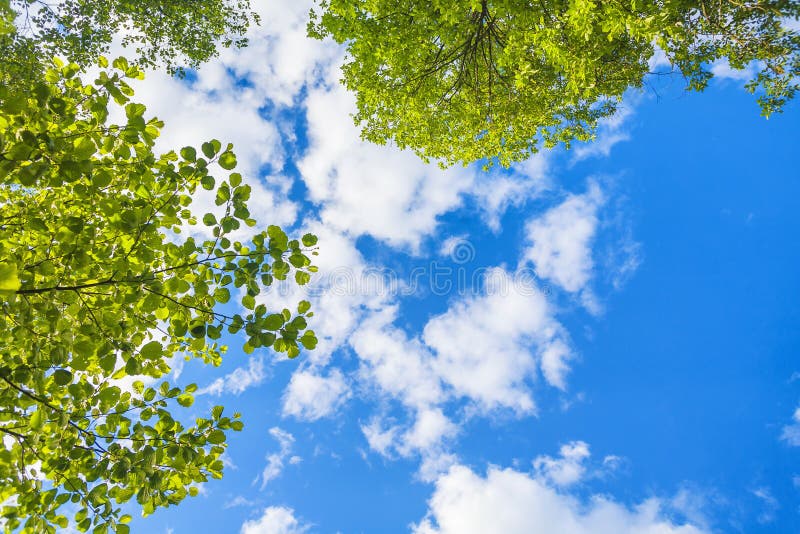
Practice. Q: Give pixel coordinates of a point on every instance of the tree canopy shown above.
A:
(461, 81)
(176, 34)
(102, 282)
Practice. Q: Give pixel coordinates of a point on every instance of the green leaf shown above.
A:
(273, 321)
(132, 367)
(197, 328)
(227, 160)
(37, 419)
(101, 178)
(207, 182)
(216, 437)
(179, 327)
(9, 280)
(84, 147)
(309, 340)
(211, 148)
(19, 152)
(309, 240)
(133, 111)
(151, 350)
(303, 306)
(277, 237)
(62, 377)
(189, 153)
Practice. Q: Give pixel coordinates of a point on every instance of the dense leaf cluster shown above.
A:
(178, 34)
(461, 81)
(100, 286)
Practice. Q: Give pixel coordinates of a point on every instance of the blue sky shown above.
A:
(596, 340)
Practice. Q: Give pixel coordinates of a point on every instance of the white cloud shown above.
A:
(311, 396)
(276, 460)
(610, 131)
(497, 191)
(342, 292)
(659, 60)
(275, 520)
(572, 466)
(363, 188)
(721, 69)
(791, 432)
(485, 350)
(368, 189)
(696, 504)
(487, 347)
(215, 107)
(511, 502)
(430, 428)
(452, 245)
(239, 380)
(380, 439)
(621, 261)
(435, 465)
(566, 470)
(238, 501)
(791, 24)
(601, 146)
(769, 504)
(398, 366)
(426, 437)
(562, 237)
(280, 59)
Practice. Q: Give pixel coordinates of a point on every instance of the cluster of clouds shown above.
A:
(511, 501)
(485, 354)
(516, 501)
(359, 189)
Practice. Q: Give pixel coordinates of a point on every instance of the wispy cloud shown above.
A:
(277, 460)
(791, 432)
(238, 381)
(769, 504)
(237, 501)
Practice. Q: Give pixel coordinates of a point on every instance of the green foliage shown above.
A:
(463, 81)
(6, 18)
(100, 288)
(178, 34)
